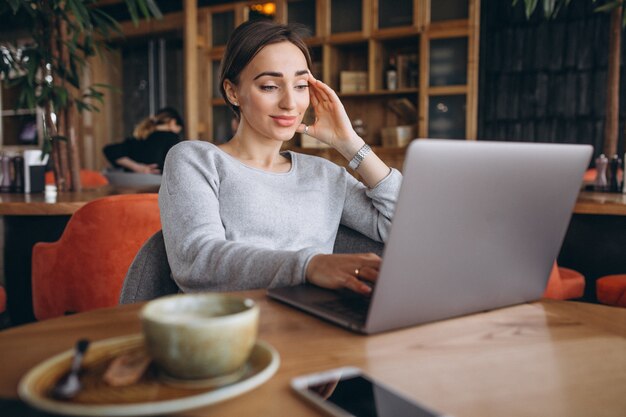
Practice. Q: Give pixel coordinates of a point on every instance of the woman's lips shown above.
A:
(285, 121)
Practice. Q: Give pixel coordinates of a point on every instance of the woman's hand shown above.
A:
(332, 124)
(137, 167)
(340, 271)
(148, 169)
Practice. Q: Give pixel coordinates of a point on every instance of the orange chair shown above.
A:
(611, 290)
(85, 268)
(88, 178)
(3, 300)
(564, 284)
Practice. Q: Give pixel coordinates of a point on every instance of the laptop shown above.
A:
(477, 226)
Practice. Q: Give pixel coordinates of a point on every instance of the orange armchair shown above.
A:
(88, 178)
(611, 290)
(3, 300)
(85, 268)
(564, 284)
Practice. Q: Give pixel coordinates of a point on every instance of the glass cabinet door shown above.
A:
(393, 14)
(448, 10)
(446, 117)
(222, 24)
(448, 61)
(303, 12)
(346, 16)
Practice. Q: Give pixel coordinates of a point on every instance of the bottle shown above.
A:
(391, 74)
(623, 175)
(17, 185)
(613, 178)
(5, 171)
(601, 183)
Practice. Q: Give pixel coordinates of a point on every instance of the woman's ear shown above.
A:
(231, 93)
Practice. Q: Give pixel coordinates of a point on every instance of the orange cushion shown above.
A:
(573, 283)
(88, 178)
(611, 290)
(3, 300)
(564, 284)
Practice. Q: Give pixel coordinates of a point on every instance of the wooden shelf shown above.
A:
(379, 93)
(368, 50)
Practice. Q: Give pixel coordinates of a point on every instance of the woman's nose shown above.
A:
(287, 100)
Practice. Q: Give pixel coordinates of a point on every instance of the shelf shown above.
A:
(379, 93)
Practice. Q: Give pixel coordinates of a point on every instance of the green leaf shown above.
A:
(154, 9)
(549, 8)
(531, 5)
(608, 6)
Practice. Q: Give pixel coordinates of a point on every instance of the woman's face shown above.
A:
(273, 93)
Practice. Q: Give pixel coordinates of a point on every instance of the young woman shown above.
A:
(244, 214)
(152, 138)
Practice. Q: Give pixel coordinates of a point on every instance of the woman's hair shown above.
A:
(247, 40)
(150, 123)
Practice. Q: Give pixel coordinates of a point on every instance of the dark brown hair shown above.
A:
(247, 40)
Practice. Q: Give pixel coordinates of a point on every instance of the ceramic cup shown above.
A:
(200, 336)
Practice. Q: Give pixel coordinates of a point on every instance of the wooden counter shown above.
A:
(591, 202)
(58, 204)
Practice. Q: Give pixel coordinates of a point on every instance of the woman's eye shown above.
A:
(268, 87)
(302, 87)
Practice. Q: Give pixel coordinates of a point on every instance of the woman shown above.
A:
(152, 138)
(243, 214)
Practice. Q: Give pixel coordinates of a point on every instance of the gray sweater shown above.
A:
(228, 226)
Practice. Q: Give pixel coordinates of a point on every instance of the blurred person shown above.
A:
(152, 139)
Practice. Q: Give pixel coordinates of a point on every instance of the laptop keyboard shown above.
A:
(354, 308)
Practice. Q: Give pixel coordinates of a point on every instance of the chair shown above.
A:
(564, 284)
(3, 300)
(85, 268)
(88, 178)
(149, 275)
(611, 290)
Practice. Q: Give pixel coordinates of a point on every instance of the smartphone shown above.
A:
(348, 392)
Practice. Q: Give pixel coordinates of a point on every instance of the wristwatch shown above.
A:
(359, 157)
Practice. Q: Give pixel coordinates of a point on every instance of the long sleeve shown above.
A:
(370, 210)
(228, 226)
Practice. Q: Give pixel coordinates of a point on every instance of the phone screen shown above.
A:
(361, 397)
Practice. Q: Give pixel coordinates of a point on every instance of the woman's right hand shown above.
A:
(341, 270)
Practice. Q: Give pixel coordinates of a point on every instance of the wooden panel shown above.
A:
(191, 68)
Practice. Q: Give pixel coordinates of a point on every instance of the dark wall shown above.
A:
(544, 81)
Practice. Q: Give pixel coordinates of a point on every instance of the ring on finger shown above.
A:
(357, 272)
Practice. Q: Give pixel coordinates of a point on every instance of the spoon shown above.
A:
(70, 385)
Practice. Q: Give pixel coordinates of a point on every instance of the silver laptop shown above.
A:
(477, 226)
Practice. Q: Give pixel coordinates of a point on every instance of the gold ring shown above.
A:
(306, 129)
(357, 272)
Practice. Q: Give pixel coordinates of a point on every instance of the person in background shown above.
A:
(152, 139)
(245, 214)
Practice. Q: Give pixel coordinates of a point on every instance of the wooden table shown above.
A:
(39, 217)
(550, 358)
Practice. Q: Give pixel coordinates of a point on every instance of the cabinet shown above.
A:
(433, 44)
(20, 128)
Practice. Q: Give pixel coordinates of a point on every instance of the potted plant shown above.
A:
(63, 35)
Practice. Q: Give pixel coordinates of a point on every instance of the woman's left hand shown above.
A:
(332, 124)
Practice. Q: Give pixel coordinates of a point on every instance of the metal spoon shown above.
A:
(70, 385)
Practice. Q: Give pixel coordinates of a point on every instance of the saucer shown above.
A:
(150, 396)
